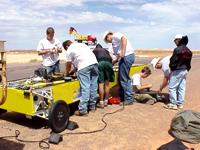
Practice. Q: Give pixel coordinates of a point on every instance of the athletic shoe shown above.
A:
(125, 103)
(150, 102)
(77, 113)
(100, 105)
(180, 106)
(92, 110)
(105, 104)
(170, 106)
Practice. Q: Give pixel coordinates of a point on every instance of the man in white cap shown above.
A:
(126, 56)
(180, 64)
(163, 64)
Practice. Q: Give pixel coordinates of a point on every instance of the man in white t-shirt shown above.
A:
(137, 87)
(85, 61)
(50, 48)
(126, 56)
(163, 64)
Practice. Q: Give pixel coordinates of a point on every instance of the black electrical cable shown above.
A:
(43, 141)
(99, 130)
(17, 133)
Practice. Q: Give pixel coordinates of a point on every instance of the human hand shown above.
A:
(121, 55)
(160, 89)
(54, 50)
(150, 85)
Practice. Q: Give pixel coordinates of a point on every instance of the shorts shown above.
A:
(106, 72)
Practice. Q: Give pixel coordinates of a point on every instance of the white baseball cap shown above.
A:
(105, 34)
(154, 62)
(178, 36)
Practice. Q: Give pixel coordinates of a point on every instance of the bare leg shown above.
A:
(101, 91)
(107, 90)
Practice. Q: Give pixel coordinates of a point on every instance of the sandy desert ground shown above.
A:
(25, 56)
(138, 127)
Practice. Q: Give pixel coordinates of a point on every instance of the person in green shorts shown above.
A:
(136, 84)
(106, 74)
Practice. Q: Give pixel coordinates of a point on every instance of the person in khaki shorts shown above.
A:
(106, 74)
(136, 86)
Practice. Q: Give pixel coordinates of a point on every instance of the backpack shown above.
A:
(175, 144)
(186, 126)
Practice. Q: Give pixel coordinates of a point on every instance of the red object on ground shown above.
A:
(114, 100)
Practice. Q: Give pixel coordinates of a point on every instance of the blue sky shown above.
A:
(146, 23)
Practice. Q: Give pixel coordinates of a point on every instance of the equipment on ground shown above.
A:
(47, 98)
(113, 100)
(89, 40)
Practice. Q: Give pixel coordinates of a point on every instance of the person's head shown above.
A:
(98, 46)
(156, 63)
(177, 38)
(66, 44)
(145, 72)
(107, 37)
(50, 33)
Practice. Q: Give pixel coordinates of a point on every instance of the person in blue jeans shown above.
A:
(126, 57)
(180, 64)
(49, 48)
(85, 61)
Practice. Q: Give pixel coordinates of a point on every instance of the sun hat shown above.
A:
(177, 36)
(154, 62)
(105, 34)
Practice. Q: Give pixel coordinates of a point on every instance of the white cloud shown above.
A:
(126, 7)
(175, 11)
(146, 24)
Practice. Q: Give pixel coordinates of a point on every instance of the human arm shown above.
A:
(43, 52)
(124, 42)
(165, 81)
(174, 59)
(114, 59)
(68, 68)
(59, 50)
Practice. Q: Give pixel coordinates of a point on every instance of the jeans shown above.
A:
(88, 77)
(177, 86)
(125, 88)
(53, 68)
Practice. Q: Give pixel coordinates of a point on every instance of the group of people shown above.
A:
(95, 71)
(175, 69)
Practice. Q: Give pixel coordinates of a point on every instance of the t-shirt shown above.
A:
(135, 80)
(117, 44)
(102, 55)
(80, 55)
(165, 65)
(115, 56)
(49, 59)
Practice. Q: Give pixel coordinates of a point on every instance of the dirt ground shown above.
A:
(138, 127)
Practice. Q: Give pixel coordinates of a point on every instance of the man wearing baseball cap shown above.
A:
(126, 56)
(180, 64)
(163, 64)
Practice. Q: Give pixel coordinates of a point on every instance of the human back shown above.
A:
(81, 55)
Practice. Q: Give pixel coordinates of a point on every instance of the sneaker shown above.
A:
(77, 113)
(105, 104)
(150, 102)
(125, 103)
(180, 106)
(170, 106)
(92, 110)
(100, 105)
